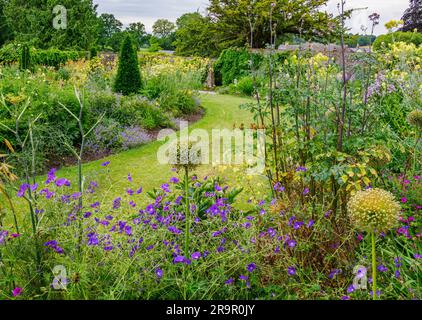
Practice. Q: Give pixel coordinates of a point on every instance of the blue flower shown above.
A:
(251, 267)
(159, 273)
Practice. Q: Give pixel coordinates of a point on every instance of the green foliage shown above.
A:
(137, 111)
(50, 57)
(54, 57)
(25, 58)
(5, 31)
(383, 41)
(194, 36)
(31, 22)
(93, 52)
(154, 45)
(354, 40)
(172, 93)
(10, 53)
(137, 31)
(108, 27)
(163, 28)
(246, 86)
(233, 20)
(128, 79)
(231, 65)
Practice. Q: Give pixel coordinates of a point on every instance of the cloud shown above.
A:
(388, 9)
(148, 11)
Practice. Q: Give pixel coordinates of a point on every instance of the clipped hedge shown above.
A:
(383, 41)
(52, 57)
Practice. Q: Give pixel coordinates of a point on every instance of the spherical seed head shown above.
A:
(374, 210)
(184, 155)
(415, 118)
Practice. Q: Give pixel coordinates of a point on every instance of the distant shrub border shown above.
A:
(52, 57)
(383, 41)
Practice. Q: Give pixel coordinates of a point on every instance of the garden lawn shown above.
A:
(221, 111)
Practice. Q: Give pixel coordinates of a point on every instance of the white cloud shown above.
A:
(148, 11)
(388, 9)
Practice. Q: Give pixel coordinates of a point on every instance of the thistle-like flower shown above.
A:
(184, 155)
(415, 118)
(374, 210)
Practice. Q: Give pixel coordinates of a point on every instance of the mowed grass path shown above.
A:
(221, 111)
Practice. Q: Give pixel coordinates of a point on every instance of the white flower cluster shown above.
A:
(374, 210)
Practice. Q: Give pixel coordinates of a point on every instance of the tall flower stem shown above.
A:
(187, 213)
(374, 268)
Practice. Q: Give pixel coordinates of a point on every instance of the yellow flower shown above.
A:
(373, 210)
(393, 24)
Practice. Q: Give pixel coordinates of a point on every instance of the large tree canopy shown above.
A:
(31, 21)
(240, 22)
(412, 17)
(194, 36)
(164, 32)
(109, 26)
(5, 31)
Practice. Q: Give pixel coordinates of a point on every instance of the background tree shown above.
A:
(109, 26)
(164, 30)
(31, 22)
(5, 31)
(128, 78)
(412, 17)
(237, 22)
(138, 33)
(194, 36)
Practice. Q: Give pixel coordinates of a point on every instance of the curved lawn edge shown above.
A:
(221, 111)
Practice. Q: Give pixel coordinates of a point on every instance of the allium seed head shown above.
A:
(374, 210)
(415, 118)
(184, 154)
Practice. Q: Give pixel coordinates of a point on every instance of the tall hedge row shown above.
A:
(11, 53)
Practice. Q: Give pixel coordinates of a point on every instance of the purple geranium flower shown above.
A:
(291, 271)
(196, 255)
(251, 267)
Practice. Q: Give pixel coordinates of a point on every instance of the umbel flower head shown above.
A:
(184, 155)
(415, 118)
(373, 210)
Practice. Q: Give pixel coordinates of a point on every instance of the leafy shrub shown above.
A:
(9, 53)
(138, 111)
(245, 86)
(383, 41)
(63, 74)
(232, 64)
(128, 79)
(54, 57)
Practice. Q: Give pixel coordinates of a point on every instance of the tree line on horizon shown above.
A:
(227, 23)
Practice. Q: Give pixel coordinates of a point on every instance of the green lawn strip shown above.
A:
(222, 111)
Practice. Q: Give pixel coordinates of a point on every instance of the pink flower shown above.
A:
(360, 237)
(17, 291)
(404, 200)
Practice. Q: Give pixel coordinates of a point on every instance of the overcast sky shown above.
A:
(148, 11)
